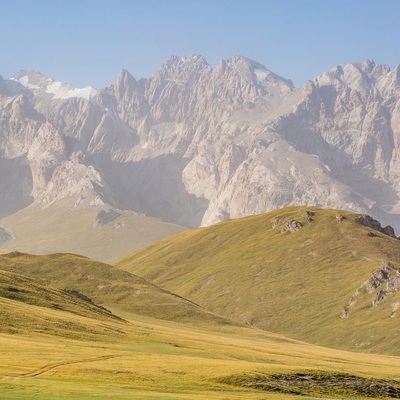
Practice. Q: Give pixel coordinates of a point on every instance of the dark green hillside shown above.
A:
(311, 284)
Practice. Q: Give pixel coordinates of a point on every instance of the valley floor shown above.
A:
(168, 361)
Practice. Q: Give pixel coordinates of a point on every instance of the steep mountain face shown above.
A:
(195, 145)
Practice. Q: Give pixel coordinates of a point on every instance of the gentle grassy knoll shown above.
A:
(28, 307)
(106, 286)
(63, 228)
(296, 284)
(165, 360)
(23, 289)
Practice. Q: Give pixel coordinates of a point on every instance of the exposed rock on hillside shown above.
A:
(378, 277)
(374, 224)
(291, 226)
(276, 222)
(339, 218)
(383, 282)
(105, 217)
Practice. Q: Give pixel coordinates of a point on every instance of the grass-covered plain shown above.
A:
(164, 361)
(295, 284)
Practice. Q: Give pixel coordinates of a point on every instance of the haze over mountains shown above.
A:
(194, 145)
(200, 315)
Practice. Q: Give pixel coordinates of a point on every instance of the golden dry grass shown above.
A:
(165, 360)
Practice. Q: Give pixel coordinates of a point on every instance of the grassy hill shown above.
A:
(62, 228)
(106, 286)
(27, 307)
(57, 344)
(311, 284)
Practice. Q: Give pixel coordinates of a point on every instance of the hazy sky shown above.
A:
(87, 42)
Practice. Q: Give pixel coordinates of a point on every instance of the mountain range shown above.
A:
(193, 145)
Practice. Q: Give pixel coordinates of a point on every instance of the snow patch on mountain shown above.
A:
(62, 90)
(25, 81)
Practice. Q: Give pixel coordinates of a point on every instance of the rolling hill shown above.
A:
(311, 274)
(27, 307)
(58, 341)
(106, 286)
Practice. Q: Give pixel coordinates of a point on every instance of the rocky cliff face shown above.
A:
(195, 145)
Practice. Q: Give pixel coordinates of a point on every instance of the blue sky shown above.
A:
(87, 42)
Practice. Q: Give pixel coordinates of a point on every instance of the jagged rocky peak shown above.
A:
(357, 76)
(32, 79)
(368, 65)
(125, 85)
(372, 69)
(181, 68)
(125, 80)
(185, 61)
(11, 88)
(37, 82)
(241, 78)
(257, 71)
(30, 74)
(348, 75)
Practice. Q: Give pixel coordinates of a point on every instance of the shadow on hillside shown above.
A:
(15, 185)
(154, 187)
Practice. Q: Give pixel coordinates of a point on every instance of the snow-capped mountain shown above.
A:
(195, 145)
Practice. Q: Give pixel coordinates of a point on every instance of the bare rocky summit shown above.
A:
(195, 145)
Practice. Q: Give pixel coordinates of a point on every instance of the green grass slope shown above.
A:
(56, 344)
(27, 307)
(105, 285)
(61, 228)
(26, 290)
(297, 284)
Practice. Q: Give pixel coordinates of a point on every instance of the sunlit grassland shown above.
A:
(295, 284)
(165, 360)
(148, 343)
(106, 285)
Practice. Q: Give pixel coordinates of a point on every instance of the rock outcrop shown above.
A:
(104, 217)
(291, 226)
(383, 282)
(368, 221)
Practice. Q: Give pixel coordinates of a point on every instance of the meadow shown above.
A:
(164, 360)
